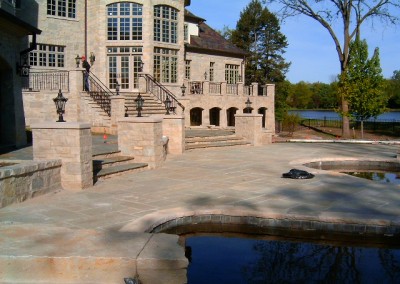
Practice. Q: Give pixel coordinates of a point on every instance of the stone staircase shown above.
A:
(198, 139)
(151, 105)
(109, 164)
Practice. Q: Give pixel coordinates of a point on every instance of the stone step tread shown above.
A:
(119, 169)
(214, 145)
(102, 163)
(99, 154)
(212, 138)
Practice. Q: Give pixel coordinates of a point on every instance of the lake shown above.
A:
(331, 115)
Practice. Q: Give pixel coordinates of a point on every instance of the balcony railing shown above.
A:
(196, 87)
(248, 90)
(232, 89)
(46, 80)
(215, 88)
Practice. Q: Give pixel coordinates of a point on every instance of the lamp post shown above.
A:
(167, 103)
(248, 105)
(92, 58)
(139, 105)
(183, 89)
(77, 60)
(60, 102)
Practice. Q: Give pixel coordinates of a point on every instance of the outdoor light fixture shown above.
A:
(23, 70)
(248, 104)
(205, 75)
(92, 58)
(167, 103)
(183, 89)
(60, 101)
(77, 60)
(139, 105)
(239, 78)
(141, 66)
(117, 85)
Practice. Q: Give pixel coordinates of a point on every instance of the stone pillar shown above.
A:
(255, 88)
(205, 117)
(117, 110)
(142, 85)
(174, 129)
(249, 126)
(206, 87)
(240, 88)
(72, 143)
(141, 138)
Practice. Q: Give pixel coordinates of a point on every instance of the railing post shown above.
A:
(206, 88)
(255, 89)
(240, 89)
(223, 88)
(143, 84)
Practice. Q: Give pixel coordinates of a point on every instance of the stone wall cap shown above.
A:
(60, 125)
(143, 119)
(174, 117)
(248, 115)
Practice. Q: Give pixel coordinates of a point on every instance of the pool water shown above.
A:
(219, 259)
(383, 177)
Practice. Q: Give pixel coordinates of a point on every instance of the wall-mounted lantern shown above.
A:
(23, 70)
(141, 66)
(77, 60)
(139, 105)
(60, 102)
(183, 89)
(205, 76)
(92, 58)
(117, 85)
(248, 105)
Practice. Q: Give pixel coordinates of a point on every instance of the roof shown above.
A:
(210, 41)
(14, 24)
(190, 17)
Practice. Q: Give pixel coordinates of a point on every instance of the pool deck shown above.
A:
(104, 227)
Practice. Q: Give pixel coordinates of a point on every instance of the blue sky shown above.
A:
(311, 49)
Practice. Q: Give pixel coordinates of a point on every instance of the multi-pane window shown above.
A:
(62, 8)
(186, 32)
(124, 21)
(47, 56)
(231, 73)
(187, 69)
(123, 66)
(165, 65)
(212, 71)
(165, 24)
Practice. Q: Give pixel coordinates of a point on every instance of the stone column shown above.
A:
(249, 126)
(72, 143)
(117, 111)
(255, 88)
(174, 129)
(141, 138)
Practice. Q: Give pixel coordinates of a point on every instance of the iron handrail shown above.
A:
(161, 92)
(99, 92)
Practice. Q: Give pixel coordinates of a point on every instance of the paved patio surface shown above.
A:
(243, 179)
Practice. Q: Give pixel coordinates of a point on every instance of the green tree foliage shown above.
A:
(258, 32)
(342, 19)
(393, 90)
(362, 83)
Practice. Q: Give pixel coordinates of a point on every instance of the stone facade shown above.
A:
(87, 33)
(21, 180)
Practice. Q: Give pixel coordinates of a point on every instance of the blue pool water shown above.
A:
(216, 259)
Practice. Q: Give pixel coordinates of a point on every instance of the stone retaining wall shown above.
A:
(21, 180)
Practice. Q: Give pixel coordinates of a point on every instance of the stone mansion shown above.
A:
(155, 48)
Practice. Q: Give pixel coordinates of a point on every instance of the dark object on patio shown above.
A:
(297, 174)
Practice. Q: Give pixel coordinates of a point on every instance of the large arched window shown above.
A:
(165, 24)
(124, 21)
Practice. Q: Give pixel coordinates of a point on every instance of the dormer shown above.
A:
(191, 27)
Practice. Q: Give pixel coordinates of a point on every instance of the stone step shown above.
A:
(208, 139)
(99, 164)
(118, 170)
(216, 144)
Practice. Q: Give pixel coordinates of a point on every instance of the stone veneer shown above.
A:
(72, 143)
(21, 180)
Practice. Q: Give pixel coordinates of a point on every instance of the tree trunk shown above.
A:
(345, 119)
(362, 129)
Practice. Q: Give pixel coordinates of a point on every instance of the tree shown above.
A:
(393, 90)
(362, 83)
(352, 13)
(258, 32)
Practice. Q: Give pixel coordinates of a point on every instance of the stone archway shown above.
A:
(196, 116)
(263, 110)
(215, 116)
(230, 116)
(7, 105)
